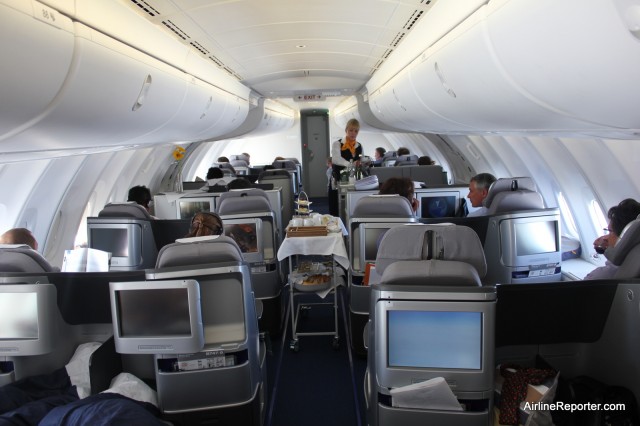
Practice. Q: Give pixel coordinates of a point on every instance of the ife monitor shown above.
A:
(28, 320)
(247, 233)
(419, 340)
(122, 240)
(438, 204)
(187, 207)
(157, 317)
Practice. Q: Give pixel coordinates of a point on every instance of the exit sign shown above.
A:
(308, 98)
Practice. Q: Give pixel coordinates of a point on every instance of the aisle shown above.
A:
(318, 385)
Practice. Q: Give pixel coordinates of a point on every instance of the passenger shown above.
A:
(403, 151)
(425, 160)
(478, 191)
(141, 195)
(223, 163)
(215, 177)
(19, 236)
(247, 158)
(377, 155)
(205, 224)
(239, 183)
(400, 186)
(342, 152)
(619, 217)
(329, 172)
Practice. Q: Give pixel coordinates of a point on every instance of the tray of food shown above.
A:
(307, 231)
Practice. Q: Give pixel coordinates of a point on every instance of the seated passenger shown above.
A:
(239, 183)
(478, 191)
(403, 151)
(400, 186)
(377, 155)
(141, 195)
(215, 176)
(205, 224)
(619, 217)
(19, 236)
(425, 160)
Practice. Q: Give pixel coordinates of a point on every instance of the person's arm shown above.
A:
(336, 155)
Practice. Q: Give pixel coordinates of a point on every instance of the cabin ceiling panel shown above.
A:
(251, 38)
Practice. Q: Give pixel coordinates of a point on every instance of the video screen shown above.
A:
(536, 238)
(18, 316)
(189, 208)
(372, 238)
(113, 240)
(438, 206)
(430, 339)
(245, 235)
(154, 312)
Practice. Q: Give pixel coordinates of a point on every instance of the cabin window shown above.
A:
(81, 236)
(569, 225)
(598, 216)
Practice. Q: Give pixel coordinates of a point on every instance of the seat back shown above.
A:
(372, 216)
(128, 209)
(230, 325)
(125, 231)
(22, 258)
(626, 253)
(406, 160)
(449, 251)
(513, 194)
(284, 180)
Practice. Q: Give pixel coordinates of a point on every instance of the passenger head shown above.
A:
(248, 157)
(379, 153)
(479, 188)
(278, 158)
(141, 195)
(215, 173)
(352, 129)
(401, 186)
(204, 224)
(223, 160)
(239, 183)
(620, 216)
(425, 160)
(403, 151)
(19, 236)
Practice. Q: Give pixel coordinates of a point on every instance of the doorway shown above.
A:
(314, 125)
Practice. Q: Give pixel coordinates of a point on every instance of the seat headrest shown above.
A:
(406, 160)
(128, 209)
(431, 272)
(446, 242)
(239, 163)
(201, 252)
(274, 174)
(284, 164)
(389, 155)
(629, 239)
(245, 201)
(21, 258)
(383, 206)
(508, 185)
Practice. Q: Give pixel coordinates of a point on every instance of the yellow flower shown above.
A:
(178, 153)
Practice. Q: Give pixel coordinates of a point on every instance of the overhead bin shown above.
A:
(580, 58)
(32, 71)
(501, 71)
(116, 94)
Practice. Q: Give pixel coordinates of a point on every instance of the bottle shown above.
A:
(352, 173)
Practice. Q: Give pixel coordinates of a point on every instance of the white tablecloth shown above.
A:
(332, 244)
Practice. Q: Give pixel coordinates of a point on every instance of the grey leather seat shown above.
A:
(22, 258)
(513, 194)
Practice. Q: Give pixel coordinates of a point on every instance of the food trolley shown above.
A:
(330, 245)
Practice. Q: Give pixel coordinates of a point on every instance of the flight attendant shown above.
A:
(343, 151)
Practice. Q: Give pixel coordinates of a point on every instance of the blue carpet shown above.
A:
(319, 385)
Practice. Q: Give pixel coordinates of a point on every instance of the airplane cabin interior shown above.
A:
(309, 248)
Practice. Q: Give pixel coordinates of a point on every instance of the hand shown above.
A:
(414, 204)
(601, 242)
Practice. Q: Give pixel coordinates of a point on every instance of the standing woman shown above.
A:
(342, 151)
